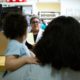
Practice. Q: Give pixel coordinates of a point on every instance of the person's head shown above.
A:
(35, 23)
(42, 20)
(60, 44)
(15, 25)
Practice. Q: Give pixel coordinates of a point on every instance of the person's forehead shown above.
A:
(35, 19)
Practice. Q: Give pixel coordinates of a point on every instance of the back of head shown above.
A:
(14, 25)
(60, 44)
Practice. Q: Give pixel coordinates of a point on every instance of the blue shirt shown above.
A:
(16, 48)
(28, 71)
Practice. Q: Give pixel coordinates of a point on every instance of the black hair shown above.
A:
(60, 44)
(15, 25)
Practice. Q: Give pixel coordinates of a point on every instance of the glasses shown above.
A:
(35, 22)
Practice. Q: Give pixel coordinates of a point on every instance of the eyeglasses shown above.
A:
(35, 22)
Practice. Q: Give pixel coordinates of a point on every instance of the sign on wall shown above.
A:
(16, 0)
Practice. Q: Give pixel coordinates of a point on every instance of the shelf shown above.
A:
(48, 15)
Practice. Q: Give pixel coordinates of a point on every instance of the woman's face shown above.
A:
(35, 24)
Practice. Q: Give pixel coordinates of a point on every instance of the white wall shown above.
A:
(70, 8)
(2, 0)
(28, 2)
(49, 0)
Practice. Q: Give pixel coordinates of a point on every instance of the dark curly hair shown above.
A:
(14, 25)
(60, 44)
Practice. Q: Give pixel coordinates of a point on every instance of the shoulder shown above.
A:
(13, 48)
(15, 42)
